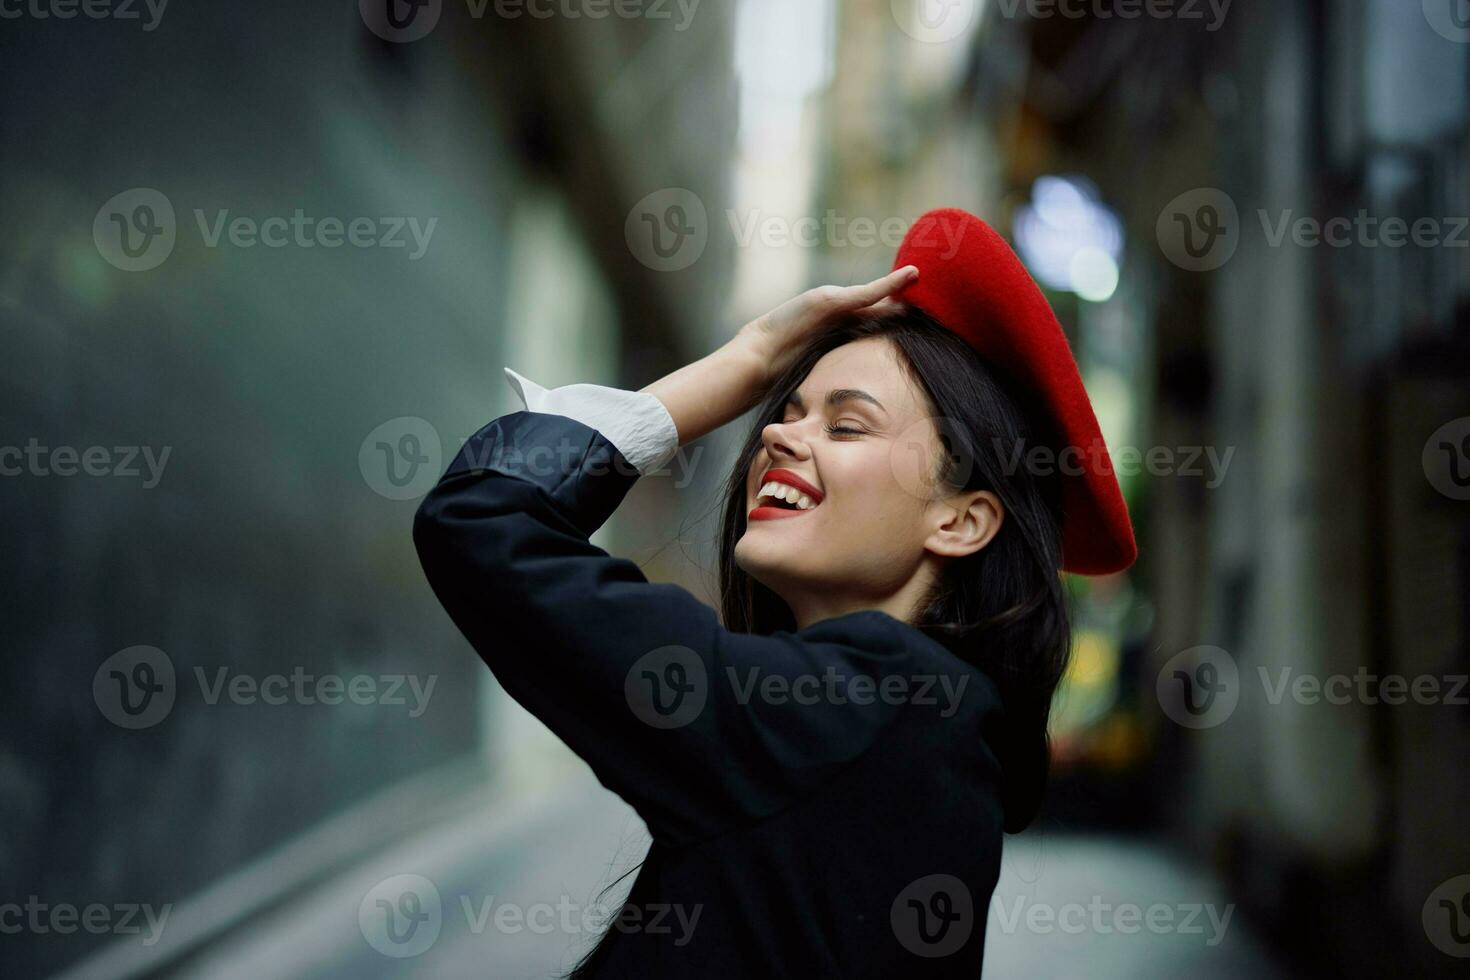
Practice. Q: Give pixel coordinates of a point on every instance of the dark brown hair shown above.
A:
(1003, 608)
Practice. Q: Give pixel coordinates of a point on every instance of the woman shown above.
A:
(826, 769)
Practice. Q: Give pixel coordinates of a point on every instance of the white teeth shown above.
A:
(782, 491)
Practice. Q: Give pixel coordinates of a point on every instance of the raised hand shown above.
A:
(780, 334)
(717, 388)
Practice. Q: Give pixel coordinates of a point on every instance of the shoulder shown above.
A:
(919, 670)
(946, 717)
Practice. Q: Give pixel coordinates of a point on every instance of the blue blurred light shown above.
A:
(1069, 239)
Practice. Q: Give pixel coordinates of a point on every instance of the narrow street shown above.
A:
(518, 898)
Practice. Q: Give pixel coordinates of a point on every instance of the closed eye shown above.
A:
(844, 430)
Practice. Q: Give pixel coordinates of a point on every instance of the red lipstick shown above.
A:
(771, 513)
(792, 480)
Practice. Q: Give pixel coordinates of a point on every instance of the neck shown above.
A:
(902, 605)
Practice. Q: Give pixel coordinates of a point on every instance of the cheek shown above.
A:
(870, 501)
(757, 466)
(913, 463)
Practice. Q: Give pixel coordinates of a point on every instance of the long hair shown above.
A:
(1002, 608)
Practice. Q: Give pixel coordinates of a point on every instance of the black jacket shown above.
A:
(825, 802)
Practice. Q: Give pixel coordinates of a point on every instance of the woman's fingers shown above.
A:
(791, 322)
(885, 305)
(860, 296)
(826, 301)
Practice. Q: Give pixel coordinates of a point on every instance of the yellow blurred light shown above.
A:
(1094, 659)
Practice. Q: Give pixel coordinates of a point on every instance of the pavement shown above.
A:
(513, 892)
(1107, 906)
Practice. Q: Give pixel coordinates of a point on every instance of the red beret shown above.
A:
(971, 281)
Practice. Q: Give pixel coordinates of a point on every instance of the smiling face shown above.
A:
(837, 495)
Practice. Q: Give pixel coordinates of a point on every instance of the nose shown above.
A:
(783, 441)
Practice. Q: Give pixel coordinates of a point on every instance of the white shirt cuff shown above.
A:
(633, 421)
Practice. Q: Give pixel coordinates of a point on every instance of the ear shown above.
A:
(963, 523)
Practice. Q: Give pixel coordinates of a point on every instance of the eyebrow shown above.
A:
(837, 396)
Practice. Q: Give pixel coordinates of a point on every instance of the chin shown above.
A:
(748, 555)
(782, 566)
(764, 561)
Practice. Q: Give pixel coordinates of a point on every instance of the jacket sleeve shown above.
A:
(671, 711)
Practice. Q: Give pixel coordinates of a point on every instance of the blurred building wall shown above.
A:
(1327, 550)
(274, 543)
(903, 134)
(262, 550)
(1329, 542)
